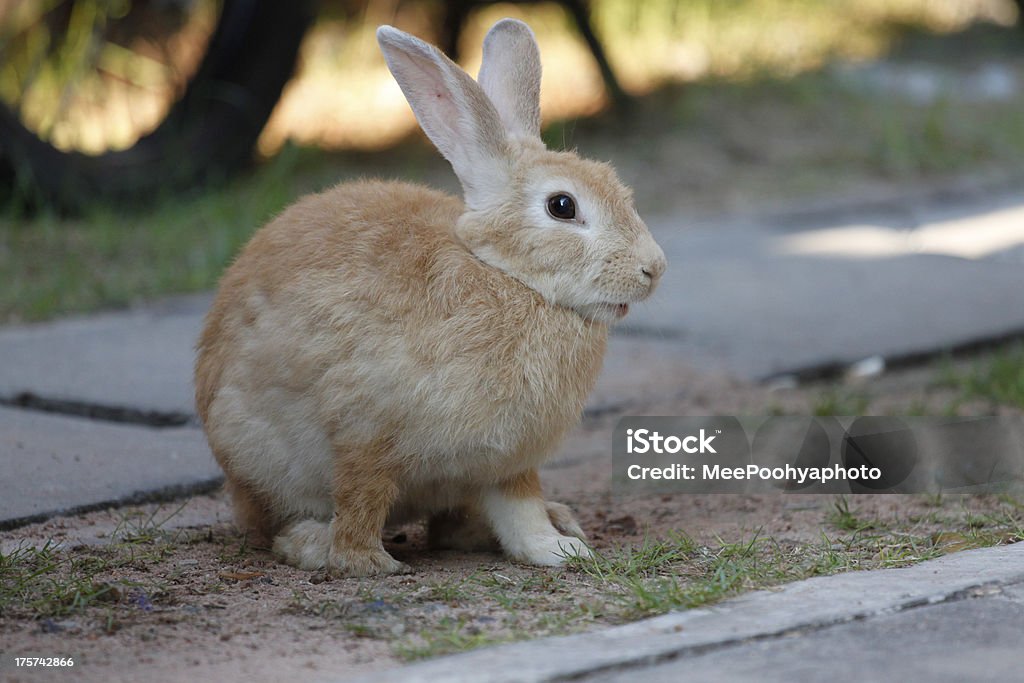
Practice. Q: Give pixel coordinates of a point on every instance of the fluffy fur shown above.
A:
(382, 351)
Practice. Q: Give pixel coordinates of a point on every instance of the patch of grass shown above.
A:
(447, 637)
(451, 591)
(43, 583)
(997, 378)
(140, 527)
(695, 576)
(51, 582)
(843, 518)
(902, 550)
(113, 257)
(652, 556)
(673, 572)
(840, 401)
(497, 603)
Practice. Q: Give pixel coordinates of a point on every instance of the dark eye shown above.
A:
(562, 207)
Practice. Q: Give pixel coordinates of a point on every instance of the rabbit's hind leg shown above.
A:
(304, 544)
(252, 513)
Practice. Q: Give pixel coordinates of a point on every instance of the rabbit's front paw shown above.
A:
(305, 544)
(364, 562)
(550, 550)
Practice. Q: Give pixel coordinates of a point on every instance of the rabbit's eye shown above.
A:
(562, 207)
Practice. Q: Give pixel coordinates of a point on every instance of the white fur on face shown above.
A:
(611, 249)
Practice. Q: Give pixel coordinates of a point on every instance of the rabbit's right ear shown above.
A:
(453, 111)
(510, 75)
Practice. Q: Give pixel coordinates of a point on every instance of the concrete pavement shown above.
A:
(54, 464)
(760, 296)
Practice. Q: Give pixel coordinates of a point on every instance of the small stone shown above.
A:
(107, 592)
(50, 626)
(869, 367)
(783, 383)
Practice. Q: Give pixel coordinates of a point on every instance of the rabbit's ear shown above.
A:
(452, 110)
(510, 75)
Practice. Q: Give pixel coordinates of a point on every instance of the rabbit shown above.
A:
(383, 352)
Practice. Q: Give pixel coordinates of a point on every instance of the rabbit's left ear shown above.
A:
(510, 75)
(453, 111)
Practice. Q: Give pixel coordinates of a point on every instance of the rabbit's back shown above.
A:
(356, 319)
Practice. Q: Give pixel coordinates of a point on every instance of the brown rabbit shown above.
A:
(382, 351)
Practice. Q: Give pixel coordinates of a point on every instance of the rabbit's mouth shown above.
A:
(620, 310)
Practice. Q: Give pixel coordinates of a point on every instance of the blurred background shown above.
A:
(142, 142)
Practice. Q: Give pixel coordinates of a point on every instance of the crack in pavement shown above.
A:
(27, 400)
(165, 494)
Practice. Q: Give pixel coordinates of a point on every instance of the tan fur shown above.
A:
(382, 352)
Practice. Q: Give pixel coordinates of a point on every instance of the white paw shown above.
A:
(550, 550)
(305, 544)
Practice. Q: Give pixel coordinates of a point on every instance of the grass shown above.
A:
(990, 382)
(42, 583)
(996, 378)
(841, 517)
(114, 257)
(839, 400)
(49, 582)
(445, 638)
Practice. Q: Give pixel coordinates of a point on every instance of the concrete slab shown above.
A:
(55, 464)
(967, 640)
(139, 359)
(825, 605)
(760, 298)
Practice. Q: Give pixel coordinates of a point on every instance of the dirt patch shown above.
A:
(176, 593)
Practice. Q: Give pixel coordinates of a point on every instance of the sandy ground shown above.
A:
(188, 599)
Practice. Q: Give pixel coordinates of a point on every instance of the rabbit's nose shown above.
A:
(652, 264)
